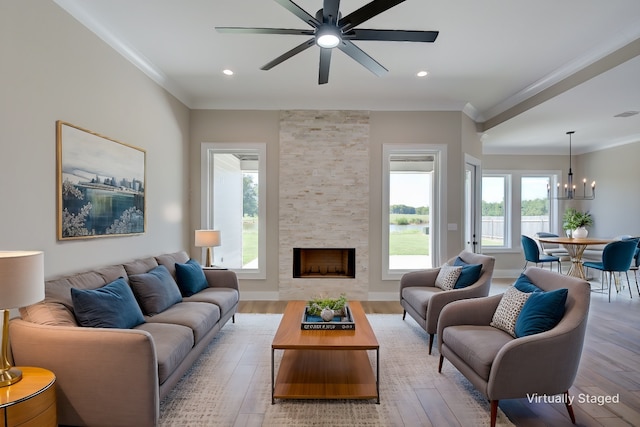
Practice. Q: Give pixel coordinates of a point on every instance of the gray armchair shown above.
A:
(503, 367)
(423, 300)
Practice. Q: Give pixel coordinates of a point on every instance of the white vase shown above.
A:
(580, 233)
(327, 314)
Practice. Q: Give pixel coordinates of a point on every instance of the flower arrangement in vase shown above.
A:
(577, 221)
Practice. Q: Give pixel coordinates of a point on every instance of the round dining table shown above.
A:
(575, 246)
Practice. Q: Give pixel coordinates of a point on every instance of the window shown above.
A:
(516, 203)
(495, 220)
(234, 202)
(410, 208)
(534, 205)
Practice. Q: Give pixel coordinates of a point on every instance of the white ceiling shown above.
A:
(527, 71)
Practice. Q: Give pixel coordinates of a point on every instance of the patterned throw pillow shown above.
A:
(447, 277)
(508, 310)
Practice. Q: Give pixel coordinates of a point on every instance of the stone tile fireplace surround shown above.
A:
(324, 197)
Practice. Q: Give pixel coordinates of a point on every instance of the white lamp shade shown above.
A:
(21, 278)
(207, 238)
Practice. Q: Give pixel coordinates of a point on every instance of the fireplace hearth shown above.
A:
(324, 263)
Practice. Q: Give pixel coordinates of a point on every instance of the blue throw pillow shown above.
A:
(524, 284)
(191, 279)
(469, 275)
(155, 290)
(541, 312)
(111, 306)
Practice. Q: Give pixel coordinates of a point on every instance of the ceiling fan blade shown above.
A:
(299, 12)
(244, 30)
(325, 61)
(301, 47)
(365, 13)
(330, 11)
(368, 62)
(392, 35)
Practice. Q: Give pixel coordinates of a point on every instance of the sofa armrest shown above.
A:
(221, 278)
(549, 359)
(475, 311)
(110, 375)
(440, 300)
(419, 278)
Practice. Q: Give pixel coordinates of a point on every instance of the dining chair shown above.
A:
(550, 248)
(532, 254)
(635, 265)
(617, 257)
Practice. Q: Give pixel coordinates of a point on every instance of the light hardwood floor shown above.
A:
(610, 364)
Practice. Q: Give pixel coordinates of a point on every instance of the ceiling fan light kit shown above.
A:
(330, 30)
(327, 37)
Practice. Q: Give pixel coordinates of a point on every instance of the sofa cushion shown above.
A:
(509, 309)
(200, 317)
(225, 298)
(140, 266)
(418, 297)
(170, 260)
(111, 306)
(541, 312)
(469, 274)
(172, 343)
(476, 345)
(155, 291)
(190, 277)
(48, 313)
(447, 277)
(524, 284)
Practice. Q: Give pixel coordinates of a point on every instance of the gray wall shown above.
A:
(453, 129)
(614, 208)
(53, 68)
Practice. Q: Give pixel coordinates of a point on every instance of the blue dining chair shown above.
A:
(532, 254)
(635, 265)
(616, 258)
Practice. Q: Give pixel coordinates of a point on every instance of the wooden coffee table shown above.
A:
(324, 364)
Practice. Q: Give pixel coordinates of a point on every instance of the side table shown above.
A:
(31, 402)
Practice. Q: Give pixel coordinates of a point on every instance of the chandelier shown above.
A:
(569, 188)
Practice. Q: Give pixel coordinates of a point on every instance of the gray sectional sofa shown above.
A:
(109, 375)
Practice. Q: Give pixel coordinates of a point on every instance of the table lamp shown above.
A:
(21, 284)
(208, 239)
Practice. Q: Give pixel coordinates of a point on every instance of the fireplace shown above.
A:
(324, 262)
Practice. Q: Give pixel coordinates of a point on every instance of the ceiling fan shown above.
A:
(329, 29)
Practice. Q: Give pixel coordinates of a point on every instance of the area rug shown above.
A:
(230, 384)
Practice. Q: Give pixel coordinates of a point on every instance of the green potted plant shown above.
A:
(577, 221)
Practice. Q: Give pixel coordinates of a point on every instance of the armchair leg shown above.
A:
(440, 364)
(569, 407)
(430, 342)
(233, 318)
(494, 412)
(404, 314)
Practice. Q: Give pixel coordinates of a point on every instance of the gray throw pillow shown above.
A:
(155, 290)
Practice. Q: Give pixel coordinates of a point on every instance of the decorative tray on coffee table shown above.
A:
(342, 322)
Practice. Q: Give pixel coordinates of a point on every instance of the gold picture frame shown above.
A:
(101, 185)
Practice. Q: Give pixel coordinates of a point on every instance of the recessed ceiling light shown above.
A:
(627, 114)
(228, 72)
(422, 73)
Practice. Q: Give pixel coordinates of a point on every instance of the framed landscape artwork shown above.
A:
(101, 185)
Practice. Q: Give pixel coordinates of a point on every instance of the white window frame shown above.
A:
(508, 215)
(513, 197)
(207, 188)
(437, 212)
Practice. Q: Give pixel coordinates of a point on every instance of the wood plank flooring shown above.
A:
(610, 367)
